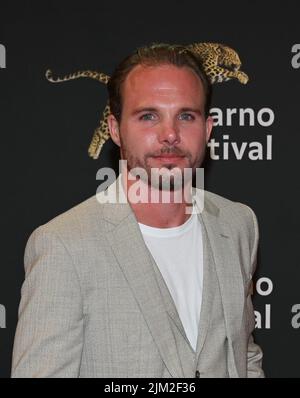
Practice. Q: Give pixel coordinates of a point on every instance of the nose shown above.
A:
(169, 133)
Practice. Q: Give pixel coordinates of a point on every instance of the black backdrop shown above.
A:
(46, 129)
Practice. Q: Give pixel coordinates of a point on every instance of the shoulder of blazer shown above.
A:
(239, 217)
(81, 222)
(233, 212)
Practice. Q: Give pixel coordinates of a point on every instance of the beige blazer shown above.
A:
(94, 303)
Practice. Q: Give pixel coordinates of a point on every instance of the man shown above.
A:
(151, 287)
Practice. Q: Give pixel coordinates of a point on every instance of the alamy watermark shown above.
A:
(295, 61)
(2, 56)
(2, 317)
(159, 185)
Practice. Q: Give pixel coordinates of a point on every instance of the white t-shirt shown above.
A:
(178, 252)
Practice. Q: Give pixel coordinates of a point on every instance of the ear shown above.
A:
(113, 126)
(209, 125)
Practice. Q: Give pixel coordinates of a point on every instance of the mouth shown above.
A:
(168, 158)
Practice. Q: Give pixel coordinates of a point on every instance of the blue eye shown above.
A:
(147, 116)
(186, 116)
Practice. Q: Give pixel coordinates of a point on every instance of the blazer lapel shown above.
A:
(220, 251)
(209, 283)
(133, 257)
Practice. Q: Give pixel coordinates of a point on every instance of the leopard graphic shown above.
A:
(220, 62)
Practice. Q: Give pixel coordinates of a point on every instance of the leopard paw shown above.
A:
(242, 77)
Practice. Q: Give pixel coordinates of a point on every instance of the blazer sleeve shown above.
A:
(254, 352)
(49, 335)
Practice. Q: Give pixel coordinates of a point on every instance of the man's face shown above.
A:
(163, 123)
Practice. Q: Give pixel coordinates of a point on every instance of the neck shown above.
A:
(156, 208)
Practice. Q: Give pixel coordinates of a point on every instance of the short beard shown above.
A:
(167, 178)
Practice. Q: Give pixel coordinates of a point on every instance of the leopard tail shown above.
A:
(99, 76)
